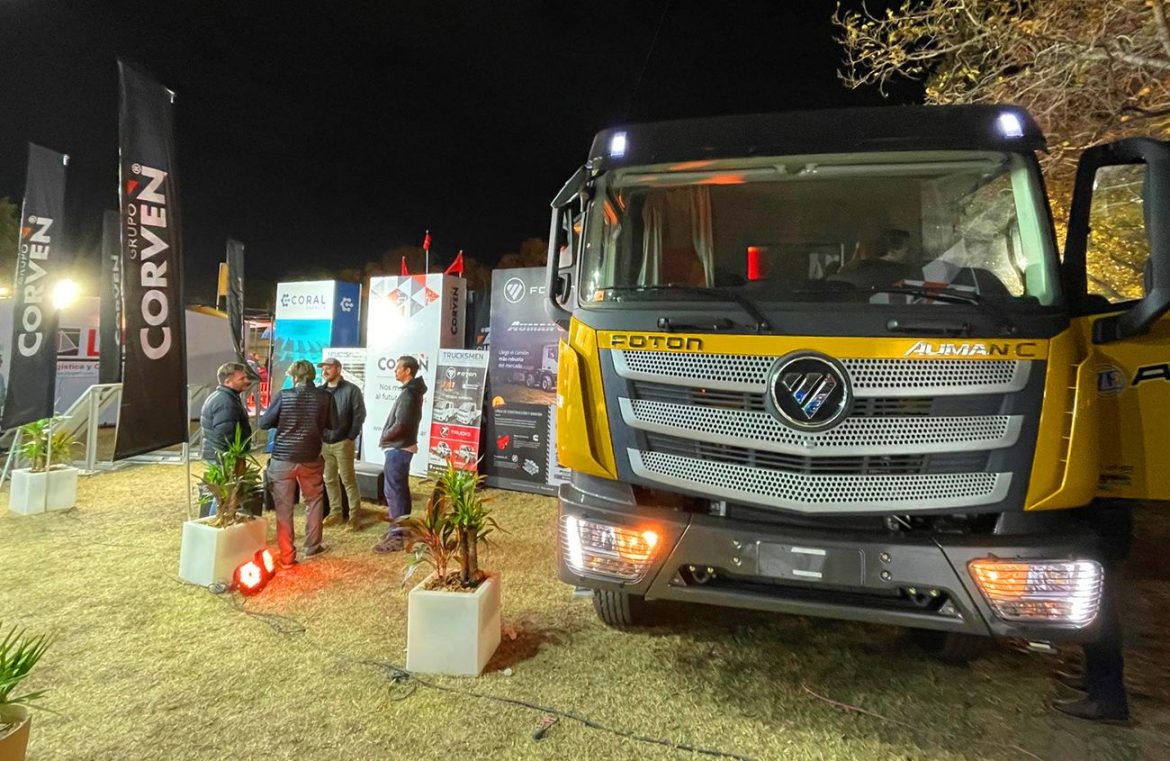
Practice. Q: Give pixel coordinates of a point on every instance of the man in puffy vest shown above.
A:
(300, 415)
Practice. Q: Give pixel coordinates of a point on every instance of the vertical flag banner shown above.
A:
(155, 366)
(235, 299)
(32, 377)
(110, 332)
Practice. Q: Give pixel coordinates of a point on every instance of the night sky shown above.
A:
(325, 134)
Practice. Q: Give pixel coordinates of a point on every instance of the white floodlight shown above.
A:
(617, 145)
(1010, 125)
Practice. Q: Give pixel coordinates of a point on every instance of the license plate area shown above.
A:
(819, 565)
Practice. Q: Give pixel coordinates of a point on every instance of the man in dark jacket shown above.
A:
(400, 441)
(222, 413)
(301, 415)
(338, 449)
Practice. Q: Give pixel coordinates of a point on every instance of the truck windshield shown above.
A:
(876, 227)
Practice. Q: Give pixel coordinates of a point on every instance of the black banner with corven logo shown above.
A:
(32, 379)
(110, 336)
(154, 384)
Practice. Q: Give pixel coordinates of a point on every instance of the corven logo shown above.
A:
(148, 240)
(36, 247)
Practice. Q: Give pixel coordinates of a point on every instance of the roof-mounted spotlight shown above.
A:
(617, 145)
(1010, 125)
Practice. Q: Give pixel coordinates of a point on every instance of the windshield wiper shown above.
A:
(718, 294)
(949, 295)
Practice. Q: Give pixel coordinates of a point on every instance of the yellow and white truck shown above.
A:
(831, 364)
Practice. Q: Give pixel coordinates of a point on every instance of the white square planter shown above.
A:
(210, 555)
(37, 492)
(452, 632)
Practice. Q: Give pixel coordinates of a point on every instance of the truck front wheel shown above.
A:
(950, 647)
(620, 609)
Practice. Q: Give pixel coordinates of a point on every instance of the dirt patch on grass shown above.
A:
(147, 667)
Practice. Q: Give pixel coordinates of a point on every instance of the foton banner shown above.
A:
(458, 408)
(111, 298)
(415, 315)
(32, 378)
(310, 316)
(523, 382)
(235, 301)
(155, 364)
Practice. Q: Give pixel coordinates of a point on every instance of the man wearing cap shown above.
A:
(338, 446)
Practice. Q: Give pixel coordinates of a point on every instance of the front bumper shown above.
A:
(893, 579)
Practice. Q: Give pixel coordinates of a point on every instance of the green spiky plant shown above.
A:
(456, 521)
(19, 654)
(233, 479)
(38, 450)
(430, 537)
(472, 519)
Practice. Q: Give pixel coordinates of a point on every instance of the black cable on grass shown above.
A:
(406, 684)
(400, 676)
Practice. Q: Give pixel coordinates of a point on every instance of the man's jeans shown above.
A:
(338, 472)
(285, 476)
(396, 475)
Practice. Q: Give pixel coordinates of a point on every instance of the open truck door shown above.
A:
(1116, 274)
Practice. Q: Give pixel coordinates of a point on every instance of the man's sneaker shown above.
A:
(333, 519)
(308, 554)
(355, 522)
(1091, 710)
(389, 544)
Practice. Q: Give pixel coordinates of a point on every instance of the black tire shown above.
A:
(620, 609)
(951, 648)
(546, 383)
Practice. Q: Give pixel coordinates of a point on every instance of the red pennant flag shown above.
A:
(405, 271)
(427, 241)
(456, 267)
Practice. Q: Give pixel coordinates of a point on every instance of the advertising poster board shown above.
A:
(414, 315)
(310, 316)
(523, 380)
(353, 363)
(457, 411)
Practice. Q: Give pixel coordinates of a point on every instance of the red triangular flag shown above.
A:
(456, 267)
(427, 241)
(405, 271)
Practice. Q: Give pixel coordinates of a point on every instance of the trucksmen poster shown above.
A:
(522, 382)
(458, 409)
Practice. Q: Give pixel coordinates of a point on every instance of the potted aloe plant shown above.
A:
(212, 547)
(50, 480)
(19, 654)
(453, 615)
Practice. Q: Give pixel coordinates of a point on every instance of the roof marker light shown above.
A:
(1010, 125)
(617, 145)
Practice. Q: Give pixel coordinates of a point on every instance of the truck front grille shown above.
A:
(822, 493)
(919, 434)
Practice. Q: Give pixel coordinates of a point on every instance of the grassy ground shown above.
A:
(147, 667)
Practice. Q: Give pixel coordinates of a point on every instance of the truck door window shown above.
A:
(1118, 249)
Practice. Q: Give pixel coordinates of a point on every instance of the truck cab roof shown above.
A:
(854, 130)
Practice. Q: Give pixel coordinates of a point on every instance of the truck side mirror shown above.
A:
(1144, 166)
(562, 247)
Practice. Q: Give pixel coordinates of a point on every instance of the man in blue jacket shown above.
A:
(222, 414)
(301, 415)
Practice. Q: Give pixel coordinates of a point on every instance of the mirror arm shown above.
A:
(556, 312)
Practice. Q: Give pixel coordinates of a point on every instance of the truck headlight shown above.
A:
(605, 550)
(1041, 591)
